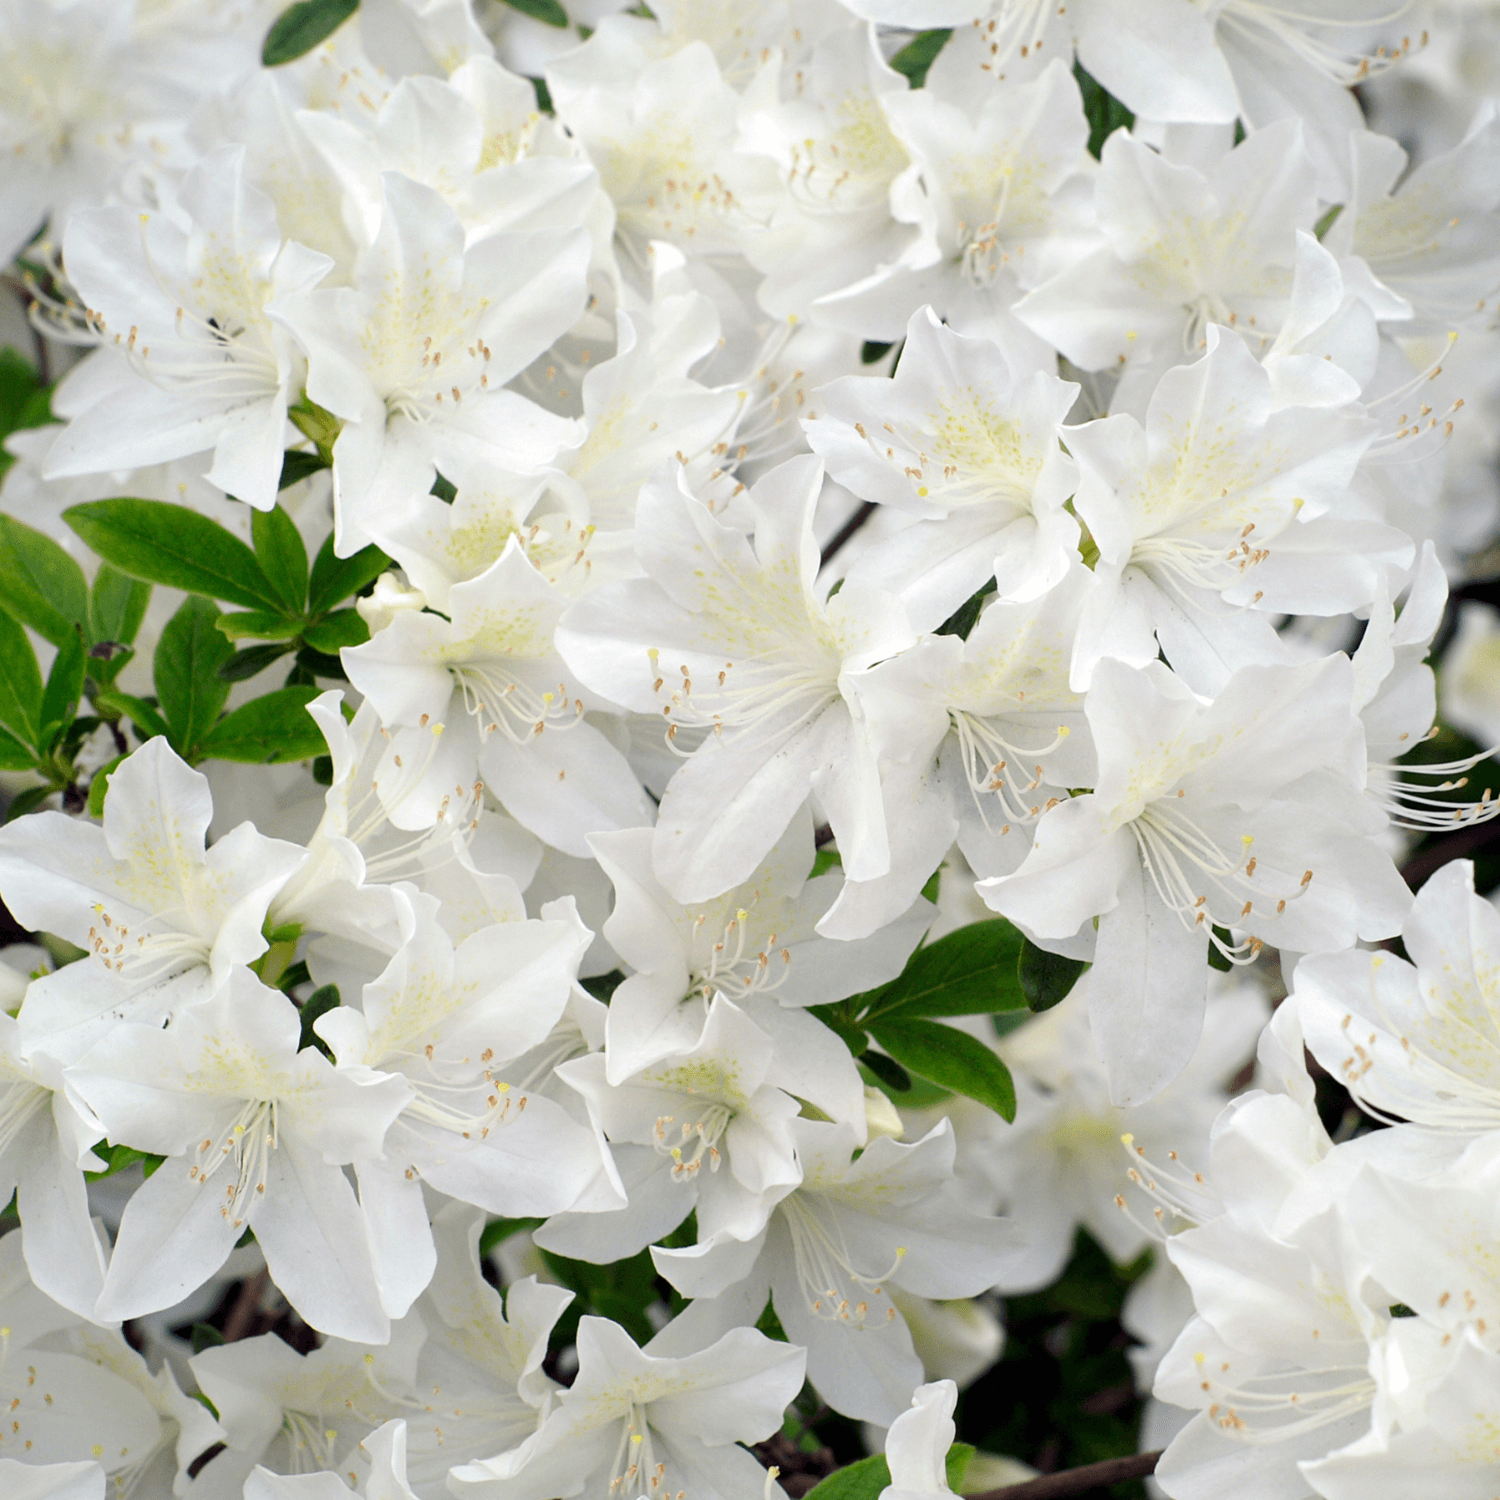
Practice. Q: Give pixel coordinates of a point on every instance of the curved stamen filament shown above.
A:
(994, 765)
(517, 711)
(825, 1271)
(1178, 857)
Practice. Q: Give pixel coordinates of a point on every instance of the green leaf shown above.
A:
(116, 1158)
(297, 466)
(259, 625)
(317, 664)
(24, 400)
(26, 801)
(1046, 978)
(335, 578)
(64, 688)
(300, 27)
(966, 616)
(159, 542)
(1329, 219)
(117, 605)
(319, 1003)
(956, 1464)
(1105, 113)
(887, 1070)
(549, 11)
(14, 756)
(863, 1480)
(251, 662)
(497, 1231)
(188, 685)
(283, 557)
(837, 1020)
(99, 786)
(344, 627)
(919, 54)
(267, 730)
(951, 1058)
(1217, 958)
(205, 1336)
(117, 705)
(20, 684)
(968, 972)
(39, 583)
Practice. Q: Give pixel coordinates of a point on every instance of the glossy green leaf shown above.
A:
(319, 1003)
(951, 1058)
(116, 1158)
(99, 786)
(969, 972)
(300, 27)
(39, 583)
(63, 689)
(344, 627)
(117, 605)
(335, 578)
(258, 625)
(549, 11)
(14, 756)
(919, 54)
(146, 718)
(1105, 113)
(188, 685)
(24, 400)
(282, 554)
(267, 730)
(27, 800)
(20, 683)
(862, 1480)
(159, 542)
(297, 466)
(1046, 978)
(252, 661)
(887, 1070)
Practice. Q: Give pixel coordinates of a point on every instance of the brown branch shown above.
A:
(246, 1307)
(841, 536)
(1076, 1481)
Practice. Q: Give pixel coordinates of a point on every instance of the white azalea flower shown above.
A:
(636, 1422)
(856, 1226)
(194, 359)
(1198, 821)
(445, 1018)
(164, 919)
(488, 679)
(407, 355)
(732, 640)
(967, 438)
(256, 1134)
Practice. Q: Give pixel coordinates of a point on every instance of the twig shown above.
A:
(242, 1315)
(847, 530)
(1076, 1481)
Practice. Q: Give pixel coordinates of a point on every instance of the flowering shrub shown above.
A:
(722, 749)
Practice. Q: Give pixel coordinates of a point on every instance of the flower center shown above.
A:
(1180, 859)
(500, 702)
(833, 1288)
(146, 957)
(245, 1144)
(728, 962)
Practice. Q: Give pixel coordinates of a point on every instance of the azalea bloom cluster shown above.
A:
(660, 667)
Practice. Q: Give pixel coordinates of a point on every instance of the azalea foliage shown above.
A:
(749, 744)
